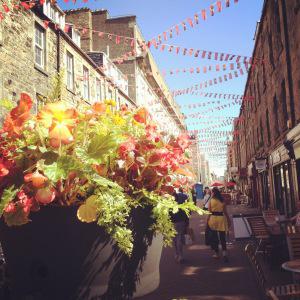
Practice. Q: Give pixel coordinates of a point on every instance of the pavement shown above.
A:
(202, 277)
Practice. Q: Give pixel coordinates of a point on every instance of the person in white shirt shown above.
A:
(206, 198)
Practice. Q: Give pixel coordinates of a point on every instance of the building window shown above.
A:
(275, 111)
(40, 49)
(268, 127)
(283, 104)
(70, 71)
(86, 85)
(261, 132)
(98, 90)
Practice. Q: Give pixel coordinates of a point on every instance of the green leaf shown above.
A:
(7, 196)
(61, 168)
(104, 182)
(101, 145)
(32, 147)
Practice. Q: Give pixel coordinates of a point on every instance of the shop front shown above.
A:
(263, 182)
(293, 139)
(282, 181)
(252, 183)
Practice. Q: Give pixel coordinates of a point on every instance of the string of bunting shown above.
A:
(203, 69)
(192, 21)
(198, 114)
(206, 54)
(205, 84)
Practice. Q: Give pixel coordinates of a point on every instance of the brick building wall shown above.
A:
(274, 82)
(19, 73)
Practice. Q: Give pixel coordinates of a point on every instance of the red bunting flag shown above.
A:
(46, 23)
(203, 14)
(66, 1)
(197, 53)
(238, 59)
(190, 22)
(170, 48)
(25, 5)
(209, 55)
(236, 1)
(217, 68)
(203, 54)
(177, 29)
(198, 70)
(162, 47)
(219, 6)
(196, 17)
(211, 9)
(227, 3)
(184, 51)
(165, 36)
(183, 25)
(226, 57)
(6, 8)
(191, 51)
(118, 39)
(177, 50)
(1, 16)
(154, 43)
(171, 33)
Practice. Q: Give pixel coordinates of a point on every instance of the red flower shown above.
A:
(141, 115)
(10, 208)
(3, 170)
(45, 195)
(127, 147)
(13, 124)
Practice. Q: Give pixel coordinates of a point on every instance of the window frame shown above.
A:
(86, 83)
(41, 47)
(70, 72)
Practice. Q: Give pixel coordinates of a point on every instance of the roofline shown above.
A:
(255, 48)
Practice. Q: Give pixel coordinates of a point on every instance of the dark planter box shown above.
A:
(55, 256)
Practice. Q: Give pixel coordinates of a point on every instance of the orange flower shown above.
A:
(141, 115)
(99, 108)
(37, 179)
(13, 124)
(3, 170)
(60, 122)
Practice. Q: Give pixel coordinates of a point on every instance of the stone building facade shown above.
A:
(146, 85)
(33, 51)
(268, 144)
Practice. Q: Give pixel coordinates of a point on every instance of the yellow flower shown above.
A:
(110, 102)
(118, 120)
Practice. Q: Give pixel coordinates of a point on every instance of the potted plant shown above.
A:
(92, 187)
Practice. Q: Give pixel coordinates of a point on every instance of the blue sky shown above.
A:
(230, 31)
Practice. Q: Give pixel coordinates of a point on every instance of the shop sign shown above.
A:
(261, 164)
(276, 157)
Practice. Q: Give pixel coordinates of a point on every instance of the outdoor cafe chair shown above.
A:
(280, 292)
(260, 232)
(271, 216)
(293, 241)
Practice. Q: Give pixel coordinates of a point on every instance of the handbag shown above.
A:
(188, 240)
(208, 235)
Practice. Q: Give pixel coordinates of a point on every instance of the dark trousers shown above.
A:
(216, 237)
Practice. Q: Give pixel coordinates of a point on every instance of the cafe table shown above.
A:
(292, 265)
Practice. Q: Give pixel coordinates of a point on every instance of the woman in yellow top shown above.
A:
(218, 222)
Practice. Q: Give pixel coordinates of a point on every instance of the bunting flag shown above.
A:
(217, 5)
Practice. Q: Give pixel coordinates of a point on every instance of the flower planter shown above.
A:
(58, 257)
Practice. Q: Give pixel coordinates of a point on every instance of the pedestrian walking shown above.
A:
(181, 223)
(218, 223)
(207, 196)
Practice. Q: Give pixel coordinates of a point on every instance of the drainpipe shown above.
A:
(58, 46)
(288, 61)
